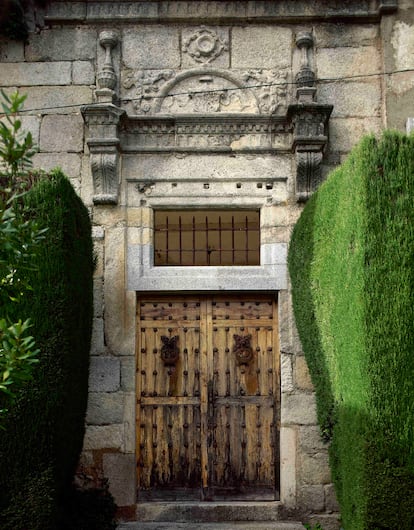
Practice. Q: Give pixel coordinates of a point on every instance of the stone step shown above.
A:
(238, 525)
(209, 512)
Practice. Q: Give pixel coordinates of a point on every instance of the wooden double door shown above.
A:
(207, 397)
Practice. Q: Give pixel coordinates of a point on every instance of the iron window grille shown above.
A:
(206, 237)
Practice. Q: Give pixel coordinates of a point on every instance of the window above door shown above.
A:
(211, 238)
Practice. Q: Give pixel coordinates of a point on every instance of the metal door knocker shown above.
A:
(243, 349)
(169, 350)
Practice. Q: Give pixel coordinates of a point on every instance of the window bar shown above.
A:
(208, 250)
(247, 240)
(180, 240)
(232, 239)
(220, 239)
(194, 249)
(166, 240)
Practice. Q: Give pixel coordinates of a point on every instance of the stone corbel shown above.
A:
(310, 124)
(102, 121)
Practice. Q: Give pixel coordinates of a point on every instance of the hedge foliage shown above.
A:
(40, 446)
(351, 261)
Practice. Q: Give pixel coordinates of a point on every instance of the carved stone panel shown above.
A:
(205, 46)
(205, 90)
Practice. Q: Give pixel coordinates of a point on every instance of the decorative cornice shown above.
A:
(217, 11)
(205, 133)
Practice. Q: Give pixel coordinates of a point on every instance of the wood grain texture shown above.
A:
(207, 426)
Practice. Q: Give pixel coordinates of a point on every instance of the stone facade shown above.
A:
(205, 104)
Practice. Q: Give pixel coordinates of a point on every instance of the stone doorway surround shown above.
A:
(158, 138)
(205, 137)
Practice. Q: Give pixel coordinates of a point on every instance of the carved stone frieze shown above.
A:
(102, 121)
(270, 87)
(205, 91)
(207, 133)
(146, 86)
(204, 45)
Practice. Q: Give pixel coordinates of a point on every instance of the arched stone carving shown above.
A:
(205, 91)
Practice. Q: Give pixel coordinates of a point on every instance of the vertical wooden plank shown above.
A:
(205, 332)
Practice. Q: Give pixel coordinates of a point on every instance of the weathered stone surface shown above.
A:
(331, 502)
(46, 100)
(62, 133)
(23, 74)
(11, 51)
(32, 124)
(261, 47)
(298, 409)
(310, 440)
(119, 469)
(128, 374)
(402, 41)
(302, 376)
(119, 305)
(129, 422)
(219, 167)
(344, 133)
(151, 47)
(104, 374)
(288, 334)
(333, 35)
(352, 99)
(314, 469)
(70, 163)
(327, 521)
(312, 498)
(288, 466)
(98, 340)
(286, 373)
(98, 297)
(103, 437)
(83, 73)
(105, 408)
(347, 62)
(62, 44)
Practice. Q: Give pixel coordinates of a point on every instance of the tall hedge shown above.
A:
(40, 446)
(351, 262)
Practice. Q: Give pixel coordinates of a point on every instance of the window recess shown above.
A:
(208, 238)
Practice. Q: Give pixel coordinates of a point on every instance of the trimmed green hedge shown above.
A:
(40, 447)
(351, 261)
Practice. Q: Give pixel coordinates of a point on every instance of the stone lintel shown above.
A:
(205, 133)
(219, 12)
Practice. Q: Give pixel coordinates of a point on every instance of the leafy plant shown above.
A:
(19, 241)
(317, 526)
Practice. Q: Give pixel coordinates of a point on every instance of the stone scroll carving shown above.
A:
(103, 142)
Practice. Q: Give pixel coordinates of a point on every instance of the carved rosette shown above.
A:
(205, 45)
(103, 142)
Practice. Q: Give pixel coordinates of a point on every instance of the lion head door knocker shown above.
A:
(243, 349)
(169, 350)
